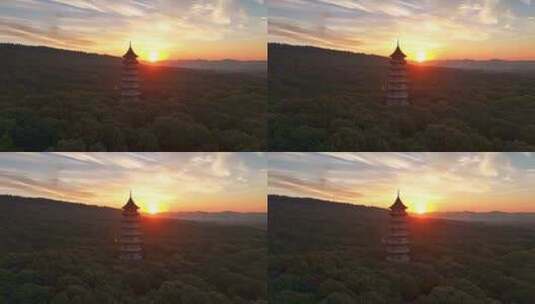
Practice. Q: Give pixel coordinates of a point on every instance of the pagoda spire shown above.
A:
(396, 84)
(130, 78)
(131, 247)
(397, 240)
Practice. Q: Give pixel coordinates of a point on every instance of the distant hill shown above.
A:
(227, 65)
(284, 56)
(313, 51)
(496, 217)
(485, 65)
(44, 54)
(54, 209)
(336, 58)
(39, 55)
(226, 217)
(58, 208)
(325, 205)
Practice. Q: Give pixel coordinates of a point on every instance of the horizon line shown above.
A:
(89, 204)
(387, 56)
(336, 201)
(119, 56)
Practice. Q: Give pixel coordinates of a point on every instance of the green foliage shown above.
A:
(323, 100)
(70, 101)
(53, 252)
(332, 253)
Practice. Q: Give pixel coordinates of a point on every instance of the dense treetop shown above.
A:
(325, 252)
(60, 100)
(325, 100)
(55, 252)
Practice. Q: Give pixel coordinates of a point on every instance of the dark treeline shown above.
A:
(330, 253)
(325, 100)
(62, 100)
(53, 252)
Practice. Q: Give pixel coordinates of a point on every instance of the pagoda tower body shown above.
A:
(396, 84)
(397, 241)
(130, 242)
(130, 78)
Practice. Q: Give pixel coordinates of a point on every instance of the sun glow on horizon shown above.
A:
(421, 56)
(420, 208)
(154, 56)
(153, 209)
(421, 204)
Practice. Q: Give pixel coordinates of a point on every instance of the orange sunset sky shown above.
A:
(160, 182)
(431, 29)
(428, 182)
(158, 29)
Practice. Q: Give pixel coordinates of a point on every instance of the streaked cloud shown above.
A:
(211, 29)
(173, 181)
(477, 29)
(442, 181)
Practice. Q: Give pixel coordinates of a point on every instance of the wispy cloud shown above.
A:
(478, 29)
(174, 181)
(320, 35)
(322, 187)
(181, 29)
(444, 181)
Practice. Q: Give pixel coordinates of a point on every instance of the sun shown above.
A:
(421, 56)
(420, 208)
(153, 208)
(154, 56)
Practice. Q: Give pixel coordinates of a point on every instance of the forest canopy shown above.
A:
(331, 253)
(58, 100)
(326, 100)
(57, 252)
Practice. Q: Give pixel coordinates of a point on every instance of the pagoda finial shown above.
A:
(397, 241)
(130, 243)
(130, 45)
(397, 83)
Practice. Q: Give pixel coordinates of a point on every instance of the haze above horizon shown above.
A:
(159, 30)
(429, 182)
(431, 30)
(160, 182)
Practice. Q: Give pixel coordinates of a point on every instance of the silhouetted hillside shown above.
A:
(58, 252)
(310, 57)
(70, 101)
(326, 100)
(42, 55)
(326, 252)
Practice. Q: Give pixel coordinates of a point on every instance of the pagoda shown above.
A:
(397, 241)
(130, 238)
(130, 79)
(396, 84)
